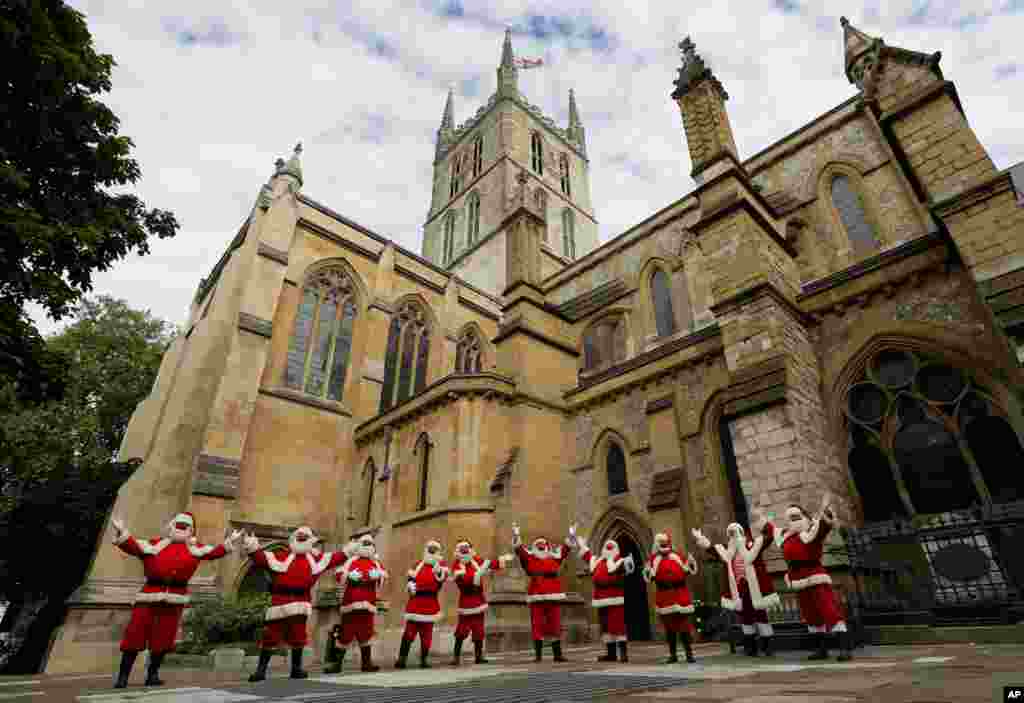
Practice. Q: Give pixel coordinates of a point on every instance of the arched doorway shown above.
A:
(638, 621)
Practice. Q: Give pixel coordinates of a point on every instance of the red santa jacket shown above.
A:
(168, 566)
(747, 565)
(424, 606)
(361, 594)
(669, 575)
(292, 579)
(609, 579)
(468, 577)
(802, 552)
(545, 584)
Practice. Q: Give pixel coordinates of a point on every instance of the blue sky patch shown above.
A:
(788, 7)
(1007, 70)
(205, 33)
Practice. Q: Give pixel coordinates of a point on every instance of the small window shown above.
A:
(478, 155)
(616, 470)
(537, 153)
(604, 343)
(449, 239)
(423, 447)
(563, 168)
(661, 296)
(456, 176)
(474, 217)
(851, 212)
(468, 356)
(568, 233)
(369, 476)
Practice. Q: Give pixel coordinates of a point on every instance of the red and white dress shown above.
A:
(672, 599)
(806, 575)
(609, 579)
(748, 588)
(468, 577)
(424, 608)
(291, 600)
(358, 604)
(157, 609)
(545, 592)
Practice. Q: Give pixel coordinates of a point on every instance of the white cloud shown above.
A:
(365, 96)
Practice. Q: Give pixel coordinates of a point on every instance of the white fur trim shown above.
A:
(592, 562)
(358, 605)
(456, 573)
(200, 552)
(153, 549)
(769, 602)
(473, 611)
(605, 602)
(733, 604)
(317, 566)
(416, 617)
(816, 629)
(839, 626)
(441, 573)
(277, 566)
(613, 566)
(481, 571)
(162, 597)
(812, 580)
(750, 571)
(344, 568)
(726, 554)
(675, 608)
(751, 555)
(748, 629)
(506, 559)
(122, 539)
(544, 597)
(182, 517)
(765, 629)
(280, 612)
(811, 533)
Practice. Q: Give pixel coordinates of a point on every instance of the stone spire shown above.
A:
(860, 52)
(507, 71)
(701, 99)
(448, 118)
(575, 131)
(292, 167)
(864, 57)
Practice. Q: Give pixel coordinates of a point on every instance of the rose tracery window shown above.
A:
(926, 438)
(405, 365)
(468, 355)
(321, 341)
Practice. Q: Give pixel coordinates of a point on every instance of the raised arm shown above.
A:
(252, 548)
(124, 541)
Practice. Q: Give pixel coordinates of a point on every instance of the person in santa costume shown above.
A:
(468, 574)
(748, 589)
(802, 542)
(608, 572)
(668, 569)
(169, 563)
(542, 562)
(359, 579)
(423, 608)
(293, 572)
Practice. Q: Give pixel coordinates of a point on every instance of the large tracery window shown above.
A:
(405, 365)
(604, 343)
(321, 341)
(853, 216)
(468, 354)
(926, 438)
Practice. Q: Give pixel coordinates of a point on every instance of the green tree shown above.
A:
(59, 153)
(59, 470)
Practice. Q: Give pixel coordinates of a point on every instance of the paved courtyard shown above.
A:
(918, 674)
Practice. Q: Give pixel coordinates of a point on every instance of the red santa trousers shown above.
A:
(470, 624)
(291, 630)
(613, 623)
(546, 621)
(425, 630)
(820, 609)
(153, 626)
(749, 616)
(677, 623)
(356, 625)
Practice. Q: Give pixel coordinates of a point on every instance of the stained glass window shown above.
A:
(405, 366)
(321, 342)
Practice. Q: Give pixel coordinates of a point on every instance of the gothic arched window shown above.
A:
(661, 297)
(851, 211)
(474, 217)
(616, 467)
(478, 155)
(321, 341)
(925, 438)
(449, 239)
(604, 343)
(468, 354)
(456, 175)
(568, 233)
(422, 453)
(537, 153)
(405, 364)
(563, 167)
(369, 478)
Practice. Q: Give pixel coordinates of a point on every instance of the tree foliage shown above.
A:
(60, 152)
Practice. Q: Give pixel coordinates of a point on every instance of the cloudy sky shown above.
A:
(212, 92)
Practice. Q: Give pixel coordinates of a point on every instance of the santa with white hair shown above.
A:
(608, 571)
(359, 579)
(668, 569)
(293, 572)
(748, 588)
(542, 562)
(468, 572)
(802, 541)
(169, 563)
(423, 608)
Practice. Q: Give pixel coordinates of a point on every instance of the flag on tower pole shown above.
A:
(525, 63)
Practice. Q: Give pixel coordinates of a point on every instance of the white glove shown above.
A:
(355, 575)
(251, 544)
(702, 541)
(516, 539)
(411, 587)
(374, 574)
(232, 540)
(119, 531)
(572, 541)
(630, 565)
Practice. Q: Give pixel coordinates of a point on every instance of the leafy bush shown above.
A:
(220, 620)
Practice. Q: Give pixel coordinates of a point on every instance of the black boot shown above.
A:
(538, 649)
(424, 654)
(623, 654)
(687, 646)
(766, 646)
(478, 651)
(556, 647)
(673, 651)
(610, 655)
(821, 646)
(297, 670)
(457, 652)
(127, 662)
(335, 668)
(403, 653)
(155, 660)
(845, 647)
(750, 645)
(261, 669)
(368, 664)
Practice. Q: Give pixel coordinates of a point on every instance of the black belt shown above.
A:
(425, 593)
(167, 584)
(802, 564)
(283, 591)
(668, 586)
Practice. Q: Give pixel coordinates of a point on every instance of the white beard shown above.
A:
(800, 526)
(179, 536)
(431, 559)
(610, 554)
(664, 551)
(465, 558)
(301, 547)
(366, 552)
(543, 554)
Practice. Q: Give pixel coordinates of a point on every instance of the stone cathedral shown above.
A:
(838, 312)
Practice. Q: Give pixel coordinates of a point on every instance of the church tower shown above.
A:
(476, 166)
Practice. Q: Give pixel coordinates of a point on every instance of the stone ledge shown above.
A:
(444, 510)
(308, 400)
